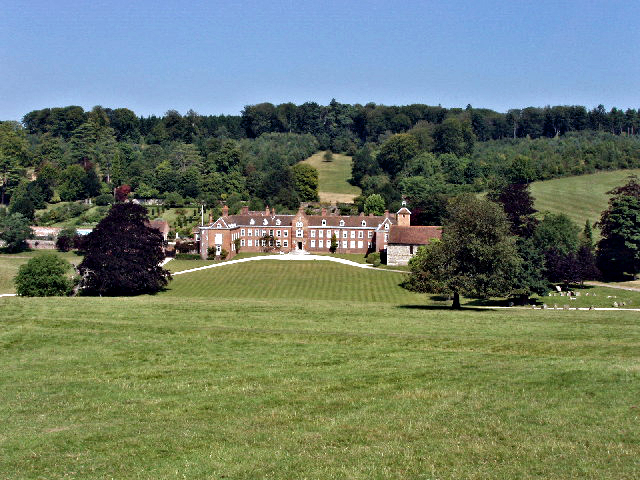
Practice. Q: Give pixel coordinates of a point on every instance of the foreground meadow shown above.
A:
(170, 387)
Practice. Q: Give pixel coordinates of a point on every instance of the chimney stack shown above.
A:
(225, 211)
(362, 214)
(324, 212)
(267, 212)
(245, 210)
(273, 211)
(210, 217)
(386, 214)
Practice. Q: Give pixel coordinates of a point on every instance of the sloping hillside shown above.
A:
(333, 176)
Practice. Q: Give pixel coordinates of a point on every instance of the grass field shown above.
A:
(167, 387)
(580, 198)
(332, 178)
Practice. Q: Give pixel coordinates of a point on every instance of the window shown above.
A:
(320, 233)
(271, 233)
(359, 243)
(329, 233)
(252, 222)
(313, 244)
(264, 233)
(344, 244)
(250, 232)
(345, 234)
(299, 233)
(368, 244)
(285, 243)
(353, 234)
(320, 243)
(278, 222)
(313, 234)
(410, 249)
(219, 226)
(342, 223)
(265, 222)
(360, 234)
(250, 243)
(324, 223)
(286, 234)
(352, 244)
(277, 243)
(242, 232)
(242, 242)
(386, 237)
(233, 247)
(364, 223)
(263, 242)
(386, 226)
(278, 233)
(298, 224)
(369, 234)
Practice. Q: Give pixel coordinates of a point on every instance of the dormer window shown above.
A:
(252, 222)
(324, 223)
(386, 226)
(364, 224)
(265, 222)
(298, 224)
(278, 222)
(342, 223)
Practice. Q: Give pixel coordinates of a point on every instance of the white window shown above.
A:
(320, 243)
(278, 233)
(368, 244)
(342, 223)
(277, 243)
(386, 237)
(265, 222)
(242, 242)
(313, 244)
(250, 232)
(329, 233)
(271, 233)
(264, 233)
(263, 243)
(313, 234)
(344, 244)
(360, 234)
(250, 243)
(233, 247)
(252, 222)
(369, 234)
(278, 222)
(364, 223)
(386, 226)
(298, 224)
(285, 243)
(286, 233)
(320, 233)
(353, 234)
(345, 234)
(242, 232)
(299, 233)
(359, 243)
(353, 244)
(324, 222)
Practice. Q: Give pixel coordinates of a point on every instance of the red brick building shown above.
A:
(260, 231)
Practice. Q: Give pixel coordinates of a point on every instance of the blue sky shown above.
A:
(216, 57)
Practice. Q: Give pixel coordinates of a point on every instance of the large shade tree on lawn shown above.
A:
(476, 257)
(619, 249)
(123, 255)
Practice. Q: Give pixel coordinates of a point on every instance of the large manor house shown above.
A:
(267, 231)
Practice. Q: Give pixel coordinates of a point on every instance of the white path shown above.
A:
(290, 258)
(8, 295)
(165, 261)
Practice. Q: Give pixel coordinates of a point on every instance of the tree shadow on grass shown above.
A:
(445, 308)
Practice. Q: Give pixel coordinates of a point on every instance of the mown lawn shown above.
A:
(581, 198)
(333, 185)
(168, 387)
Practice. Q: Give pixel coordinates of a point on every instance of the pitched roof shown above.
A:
(258, 219)
(349, 221)
(415, 235)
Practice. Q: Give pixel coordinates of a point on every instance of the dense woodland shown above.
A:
(423, 153)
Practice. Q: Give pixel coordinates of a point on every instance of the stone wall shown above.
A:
(400, 254)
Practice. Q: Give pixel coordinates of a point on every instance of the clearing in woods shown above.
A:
(333, 186)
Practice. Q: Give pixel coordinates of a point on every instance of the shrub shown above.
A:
(104, 200)
(44, 276)
(185, 247)
(211, 251)
(224, 254)
(65, 240)
(173, 199)
(374, 259)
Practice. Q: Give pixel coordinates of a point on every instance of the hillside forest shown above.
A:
(424, 154)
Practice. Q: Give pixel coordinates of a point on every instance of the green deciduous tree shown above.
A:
(14, 231)
(453, 136)
(305, 178)
(476, 257)
(396, 152)
(44, 276)
(374, 204)
(619, 249)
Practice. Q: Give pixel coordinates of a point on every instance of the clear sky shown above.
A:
(217, 56)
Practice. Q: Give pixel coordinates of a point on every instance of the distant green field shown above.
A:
(333, 176)
(580, 198)
(168, 387)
